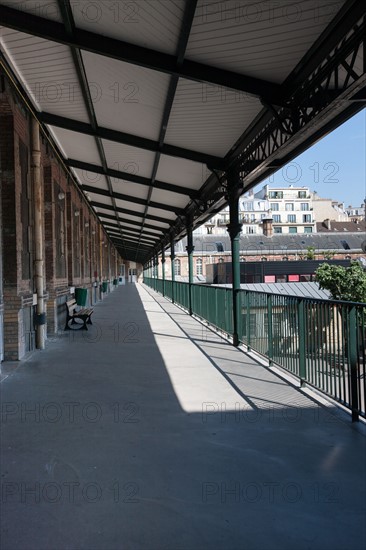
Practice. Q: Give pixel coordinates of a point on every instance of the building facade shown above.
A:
(332, 241)
(74, 249)
(293, 210)
(357, 213)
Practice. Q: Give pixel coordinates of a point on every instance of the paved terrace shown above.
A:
(151, 432)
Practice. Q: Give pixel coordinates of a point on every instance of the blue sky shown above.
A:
(335, 166)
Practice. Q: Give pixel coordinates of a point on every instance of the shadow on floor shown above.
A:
(128, 437)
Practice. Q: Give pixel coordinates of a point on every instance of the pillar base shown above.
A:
(235, 340)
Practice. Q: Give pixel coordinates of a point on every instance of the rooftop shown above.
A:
(300, 290)
(335, 227)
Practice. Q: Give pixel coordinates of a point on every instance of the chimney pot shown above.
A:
(267, 226)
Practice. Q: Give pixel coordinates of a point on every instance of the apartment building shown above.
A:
(357, 213)
(291, 208)
(294, 210)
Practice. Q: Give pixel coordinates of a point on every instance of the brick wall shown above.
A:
(14, 124)
(91, 262)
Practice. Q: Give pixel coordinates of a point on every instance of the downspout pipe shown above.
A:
(40, 320)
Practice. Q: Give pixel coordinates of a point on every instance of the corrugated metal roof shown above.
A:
(198, 111)
(255, 37)
(284, 244)
(167, 94)
(300, 290)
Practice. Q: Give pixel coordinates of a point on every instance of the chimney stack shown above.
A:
(267, 223)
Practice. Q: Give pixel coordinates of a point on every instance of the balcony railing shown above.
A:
(322, 342)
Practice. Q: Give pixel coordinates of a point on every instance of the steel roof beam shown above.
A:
(135, 230)
(147, 248)
(131, 213)
(116, 232)
(137, 55)
(128, 198)
(129, 139)
(93, 168)
(131, 222)
(133, 241)
(69, 24)
(344, 22)
(189, 11)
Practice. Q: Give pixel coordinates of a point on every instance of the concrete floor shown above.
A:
(151, 432)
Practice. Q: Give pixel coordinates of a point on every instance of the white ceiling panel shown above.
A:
(48, 9)
(261, 39)
(95, 197)
(100, 210)
(136, 238)
(132, 233)
(209, 118)
(158, 225)
(126, 97)
(148, 237)
(130, 206)
(150, 23)
(182, 172)
(47, 72)
(150, 230)
(90, 178)
(166, 197)
(161, 213)
(129, 159)
(125, 217)
(75, 145)
(106, 220)
(130, 188)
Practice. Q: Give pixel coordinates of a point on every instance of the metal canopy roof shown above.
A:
(151, 102)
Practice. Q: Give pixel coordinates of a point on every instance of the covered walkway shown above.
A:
(151, 432)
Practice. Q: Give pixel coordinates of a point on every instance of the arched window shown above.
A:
(221, 260)
(263, 259)
(285, 258)
(199, 266)
(177, 267)
(242, 259)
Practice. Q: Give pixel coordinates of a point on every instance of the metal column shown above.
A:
(234, 230)
(156, 271)
(190, 249)
(172, 266)
(163, 269)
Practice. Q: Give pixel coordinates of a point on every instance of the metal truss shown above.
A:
(327, 90)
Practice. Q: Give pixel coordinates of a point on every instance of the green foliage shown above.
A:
(328, 254)
(344, 283)
(310, 253)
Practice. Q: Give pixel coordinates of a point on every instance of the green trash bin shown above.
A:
(81, 296)
(104, 286)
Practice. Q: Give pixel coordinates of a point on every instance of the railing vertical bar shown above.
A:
(302, 333)
(345, 354)
(352, 348)
(269, 328)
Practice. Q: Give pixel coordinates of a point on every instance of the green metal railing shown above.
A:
(322, 342)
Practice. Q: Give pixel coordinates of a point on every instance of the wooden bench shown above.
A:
(72, 314)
